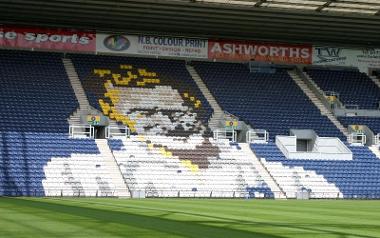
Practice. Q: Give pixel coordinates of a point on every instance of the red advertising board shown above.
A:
(43, 38)
(268, 52)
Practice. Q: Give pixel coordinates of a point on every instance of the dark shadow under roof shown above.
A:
(262, 21)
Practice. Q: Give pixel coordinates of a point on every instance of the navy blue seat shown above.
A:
(35, 92)
(372, 122)
(264, 100)
(353, 87)
(36, 101)
(23, 156)
(357, 178)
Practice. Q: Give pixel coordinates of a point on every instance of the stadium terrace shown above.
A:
(190, 119)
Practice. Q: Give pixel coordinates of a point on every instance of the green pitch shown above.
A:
(47, 217)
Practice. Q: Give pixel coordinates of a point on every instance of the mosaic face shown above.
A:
(155, 105)
(148, 103)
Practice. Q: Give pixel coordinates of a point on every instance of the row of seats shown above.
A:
(357, 178)
(35, 92)
(198, 167)
(54, 165)
(353, 87)
(172, 154)
(151, 96)
(373, 123)
(270, 101)
(36, 156)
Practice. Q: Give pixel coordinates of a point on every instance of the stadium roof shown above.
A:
(343, 22)
(337, 6)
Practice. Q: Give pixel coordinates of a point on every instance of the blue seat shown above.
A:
(353, 87)
(358, 178)
(266, 101)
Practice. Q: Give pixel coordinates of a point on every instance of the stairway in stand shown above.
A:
(267, 177)
(376, 150)
(316, 101)
(122, 189)
(84, 105)
(218, 114)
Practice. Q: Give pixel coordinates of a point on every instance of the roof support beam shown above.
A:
(259, 3)
(327, 4)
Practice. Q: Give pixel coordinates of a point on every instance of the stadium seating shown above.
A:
(357, 178)
(295, 179)
(372, 122)
(36, 156)
(51, 164)
(148, 95)
(170, 153)
(161, 166)
(264, 100)
(36, 95)
(353, 87)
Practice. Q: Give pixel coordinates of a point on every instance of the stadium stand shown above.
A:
(372, 122)
(170, 152)
(131, 81)
(196, 167)
(37, 157)
(27, 82)
(357, 178)
(353, 87)
(264, 100)
(51, 164)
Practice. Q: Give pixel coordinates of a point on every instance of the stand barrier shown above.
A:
(117, 132)
(357, 138)
(225, 134)
(81, 131)
(257, 136)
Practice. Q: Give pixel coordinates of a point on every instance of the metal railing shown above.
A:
(225, 134)
(332, 93)
(351, 106)
(239, 194)
(117, 132)
(80, 193)
(81, 131)
(200, 194)
(257, 136)
(357, 138)
(376, 139)
(287, 145)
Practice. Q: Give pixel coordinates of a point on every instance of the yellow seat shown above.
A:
(126, 66)
(102, 72)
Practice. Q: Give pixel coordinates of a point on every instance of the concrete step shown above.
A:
(267, 177)
(218, 112)
(316, 101)
(375, 80)
(78, 91)
(375, 150)
(118, 179)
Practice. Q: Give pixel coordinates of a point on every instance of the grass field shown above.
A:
(48, 217)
